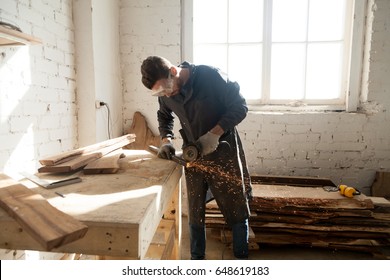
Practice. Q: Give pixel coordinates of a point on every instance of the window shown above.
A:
(281, 51)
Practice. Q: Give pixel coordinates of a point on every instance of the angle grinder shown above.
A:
(191, 152)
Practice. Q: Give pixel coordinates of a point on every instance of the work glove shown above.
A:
(166, 151)
(208, 142)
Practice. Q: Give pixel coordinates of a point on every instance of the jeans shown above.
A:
(240, 241)
(197, 242)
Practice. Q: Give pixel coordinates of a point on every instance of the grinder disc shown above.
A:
(190, 153)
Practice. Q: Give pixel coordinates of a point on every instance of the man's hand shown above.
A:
(209, 143)
(166, 151)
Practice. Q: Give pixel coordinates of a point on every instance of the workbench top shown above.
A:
(121, 210)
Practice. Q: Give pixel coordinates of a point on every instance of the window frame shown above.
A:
(353, 64)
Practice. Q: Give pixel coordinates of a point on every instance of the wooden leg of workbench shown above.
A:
(174, 213)
(166, 243)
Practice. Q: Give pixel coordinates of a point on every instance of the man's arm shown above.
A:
(165, 120)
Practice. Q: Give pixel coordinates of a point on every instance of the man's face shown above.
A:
(167, 87)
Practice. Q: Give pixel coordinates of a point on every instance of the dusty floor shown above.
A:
(216, 250)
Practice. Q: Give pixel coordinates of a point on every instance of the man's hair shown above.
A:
(153, 69)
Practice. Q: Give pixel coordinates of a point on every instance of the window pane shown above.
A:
(245, 67)
(287, 71)
(214, 55)
(289, 20)
(245, 21)
(210, 21)
(326, 20)
(324, 62)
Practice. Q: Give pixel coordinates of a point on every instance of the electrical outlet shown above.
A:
(98, 104)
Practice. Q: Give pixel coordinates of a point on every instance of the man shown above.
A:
(209, 107)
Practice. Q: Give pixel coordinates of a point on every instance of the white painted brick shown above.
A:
(9, 141)
(65, 71)
(250, 135)
(272, 127)
(57, 82)
(48, 122)
(30, 15)
(341, 146)
(66, 45)
(48, 38)
(5, 125)
(59, 133)
(43, 9)
(69, 60)
(9, 6)
(32, 108)
(347, 137)
(69, 144)
(299, 163)
(303, 145)
(60, 108)
(40, 79)
(4, 155)
(63, 19)
(274, 164)
(46, 66)
(41, 136)
(22, 124)
(71, 85)
(49, 148)
(68, 122)
(324, 163)
(54, 54)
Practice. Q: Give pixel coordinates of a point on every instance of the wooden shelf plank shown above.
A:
(10, 37)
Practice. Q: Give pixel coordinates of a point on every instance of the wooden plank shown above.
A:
(309, 198)
(9, 37)
(69, 155)
(46, 224)
(85, 159)
(72, 165)
(145, 136)
(107, 164)
(292, 181)
(381, 231)
(381, 185)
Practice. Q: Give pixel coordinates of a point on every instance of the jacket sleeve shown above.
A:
(236, 109)
(165, 120)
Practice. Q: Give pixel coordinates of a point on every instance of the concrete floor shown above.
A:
(216, 250)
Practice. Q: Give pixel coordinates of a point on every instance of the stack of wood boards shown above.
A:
(43, 222)
(312, 216)
(97, 158)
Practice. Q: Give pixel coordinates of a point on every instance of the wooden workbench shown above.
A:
(123, 211)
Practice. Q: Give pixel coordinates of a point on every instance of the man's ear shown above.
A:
(173, 71)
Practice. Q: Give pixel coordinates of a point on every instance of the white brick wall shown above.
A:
(37, 85)
(345, 147)
(147, 28)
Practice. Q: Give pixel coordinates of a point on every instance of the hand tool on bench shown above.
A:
(53, 183)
